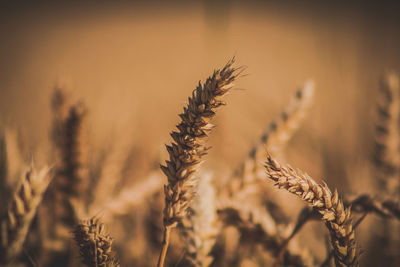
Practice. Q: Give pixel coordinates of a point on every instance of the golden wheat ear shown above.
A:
(21, 211)
(387, 140)
(188, 148)
(337, 218)
(70, 181)
(201, 227)
(274, 138)
(95, 245)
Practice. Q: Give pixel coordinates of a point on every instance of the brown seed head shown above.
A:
(329, 205)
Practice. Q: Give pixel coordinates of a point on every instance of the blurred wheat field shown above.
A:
(125, 70)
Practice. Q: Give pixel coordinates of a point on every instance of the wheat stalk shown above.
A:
(383, 208)
(94, 244)
(22, 209)
(188, 148)
(4, 185)
(201, 228)
(336, 217)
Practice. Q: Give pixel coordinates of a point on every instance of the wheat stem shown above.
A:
(165, 243)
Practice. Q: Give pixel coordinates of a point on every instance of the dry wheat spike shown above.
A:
(188, 148)
(71, 169)
(21, 210)
(201, 228)
(337, 218)
(276, 136)
(94, 244)
(387, 141)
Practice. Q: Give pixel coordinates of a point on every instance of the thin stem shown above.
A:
(305, 215)
(165, 243)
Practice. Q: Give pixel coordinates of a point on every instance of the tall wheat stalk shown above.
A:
(329, 205)
(21, 211)
(188, 148)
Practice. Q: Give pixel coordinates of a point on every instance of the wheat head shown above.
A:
(275, 137)
(387, 140)
(188, 148)
(21, 211)
(201, 228)
(337, 218)
(94, 244)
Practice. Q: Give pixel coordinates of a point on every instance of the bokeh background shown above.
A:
(133, 64)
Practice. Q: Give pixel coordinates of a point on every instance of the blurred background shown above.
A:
(135, 63)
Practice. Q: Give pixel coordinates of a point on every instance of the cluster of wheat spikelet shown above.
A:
(232, 223)
(94, 244)
(20, 213)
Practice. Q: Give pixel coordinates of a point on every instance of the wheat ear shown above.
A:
(188, 148)
(387, 141)
(201, 228)
(71, 170)
(94, 244)
(336, 217)
(22, 209)
(277, 135)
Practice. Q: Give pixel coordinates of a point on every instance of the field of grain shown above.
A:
(212, 133)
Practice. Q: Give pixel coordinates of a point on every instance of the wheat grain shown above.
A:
(189, 147)
(21, 211)
(337, 218)
(94, 244)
